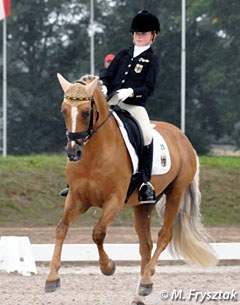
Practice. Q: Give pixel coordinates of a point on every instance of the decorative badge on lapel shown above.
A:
(138, 68)
(144, 60)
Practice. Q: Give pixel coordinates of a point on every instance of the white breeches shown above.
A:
(141, 115)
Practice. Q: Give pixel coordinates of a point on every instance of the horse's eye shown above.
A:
(86, 114)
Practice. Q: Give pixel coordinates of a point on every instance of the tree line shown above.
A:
(50, 36)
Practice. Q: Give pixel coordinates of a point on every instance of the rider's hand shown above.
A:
(104, 90)
(123, 94)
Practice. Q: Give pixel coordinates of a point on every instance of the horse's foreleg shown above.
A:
(70, 213)
(142, 220)
(110, 210)
(173, 200)
(53, 281)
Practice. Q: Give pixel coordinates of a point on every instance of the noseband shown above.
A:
(87, 134)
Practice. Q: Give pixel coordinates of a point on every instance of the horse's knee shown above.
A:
(61, 230)
(98, 234)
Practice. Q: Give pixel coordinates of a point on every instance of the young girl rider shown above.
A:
(131, 79)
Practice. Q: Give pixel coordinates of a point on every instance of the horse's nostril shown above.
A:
(70, 158)
(74, 154)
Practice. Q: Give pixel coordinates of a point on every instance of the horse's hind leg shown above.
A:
(110, 210)
(173, 201)
(70, 213)
(142, 217)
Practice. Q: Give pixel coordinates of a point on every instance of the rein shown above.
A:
(87, 134)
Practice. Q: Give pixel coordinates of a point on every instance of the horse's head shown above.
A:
(79, 110)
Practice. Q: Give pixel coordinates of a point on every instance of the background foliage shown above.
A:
(50, 36)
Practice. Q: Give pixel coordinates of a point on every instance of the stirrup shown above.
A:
(146, 193)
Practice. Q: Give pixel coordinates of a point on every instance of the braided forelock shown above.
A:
(76, 90)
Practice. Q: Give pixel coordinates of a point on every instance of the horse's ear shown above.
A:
(90, 87)
(63, 82)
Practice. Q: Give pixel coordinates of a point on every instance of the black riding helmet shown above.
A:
(145, 22)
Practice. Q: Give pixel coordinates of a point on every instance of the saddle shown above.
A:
(133, 129)
(135, 136)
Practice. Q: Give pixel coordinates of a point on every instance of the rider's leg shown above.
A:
(146, 190)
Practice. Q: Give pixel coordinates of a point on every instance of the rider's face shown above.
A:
(141, 39)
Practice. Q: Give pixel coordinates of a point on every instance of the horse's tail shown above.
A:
(190, 240)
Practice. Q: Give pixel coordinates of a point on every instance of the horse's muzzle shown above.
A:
(74, 152)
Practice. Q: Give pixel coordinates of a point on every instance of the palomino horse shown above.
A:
(98, 173)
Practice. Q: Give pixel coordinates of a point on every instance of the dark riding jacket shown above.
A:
(138, 73)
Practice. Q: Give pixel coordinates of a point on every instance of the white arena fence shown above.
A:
(18, 254)
(122, 252)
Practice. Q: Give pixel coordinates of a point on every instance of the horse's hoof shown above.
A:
(108, 273)
(145, 289)
(52, 286)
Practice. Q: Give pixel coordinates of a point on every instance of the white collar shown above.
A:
(138, 50)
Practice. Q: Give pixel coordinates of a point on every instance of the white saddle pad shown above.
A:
(161, 156)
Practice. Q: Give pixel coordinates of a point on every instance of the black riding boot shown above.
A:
(146, 191)
(64, 192)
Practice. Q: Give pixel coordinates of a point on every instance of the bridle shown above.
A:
(86, 134)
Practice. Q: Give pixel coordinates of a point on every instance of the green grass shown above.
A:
(30, 186)
(28, 189)
(220, 187)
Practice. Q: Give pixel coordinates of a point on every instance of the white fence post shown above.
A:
(16, 255)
